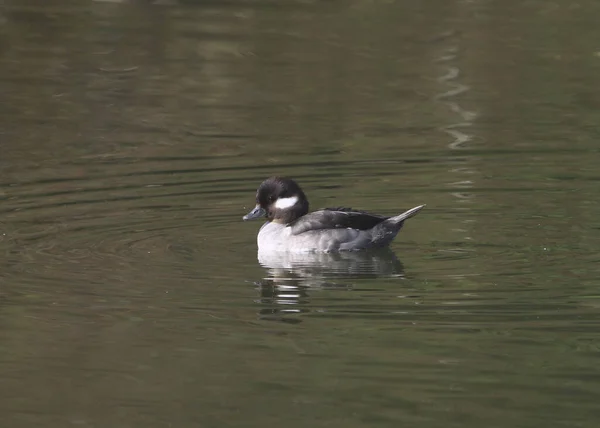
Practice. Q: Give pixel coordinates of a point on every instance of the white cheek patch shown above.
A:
(284, 203)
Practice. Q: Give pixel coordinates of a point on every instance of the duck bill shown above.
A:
(257, 212)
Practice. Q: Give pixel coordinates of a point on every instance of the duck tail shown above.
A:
(406, 215)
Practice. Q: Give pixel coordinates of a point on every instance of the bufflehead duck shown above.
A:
(290, 227)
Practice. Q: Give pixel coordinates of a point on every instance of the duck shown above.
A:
(291, 228)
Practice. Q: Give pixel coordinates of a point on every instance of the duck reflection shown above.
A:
(291, 276)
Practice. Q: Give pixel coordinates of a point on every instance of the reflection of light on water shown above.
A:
(280, 302)
(467, 117)
(459, 130)
(292, 277)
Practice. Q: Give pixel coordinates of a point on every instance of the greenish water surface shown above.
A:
(133, 137)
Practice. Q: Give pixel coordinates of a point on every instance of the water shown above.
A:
(134, 135)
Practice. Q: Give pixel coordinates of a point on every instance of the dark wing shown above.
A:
(336, 218)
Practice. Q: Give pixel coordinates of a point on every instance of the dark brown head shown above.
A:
(280, 200)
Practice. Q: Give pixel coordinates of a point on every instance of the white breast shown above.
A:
(273, 237)
(278, 237)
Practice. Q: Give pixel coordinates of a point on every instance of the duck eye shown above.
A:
(271, 198)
